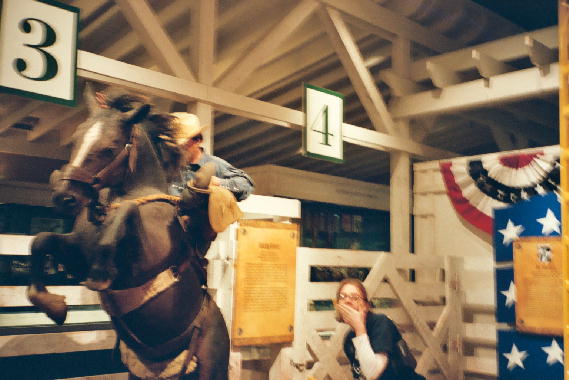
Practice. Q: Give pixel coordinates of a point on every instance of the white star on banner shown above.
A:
(550, 223)
(540, 190)
(516, 358)
(554, 353)
(511, 232)
(510, 294)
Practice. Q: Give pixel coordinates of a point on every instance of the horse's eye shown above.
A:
(107, 152)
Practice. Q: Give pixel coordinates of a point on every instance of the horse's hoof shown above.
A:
(52, 304)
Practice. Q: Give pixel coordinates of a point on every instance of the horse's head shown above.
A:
(101, 149)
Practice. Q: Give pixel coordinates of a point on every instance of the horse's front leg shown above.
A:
(58, 245)
(117, 231)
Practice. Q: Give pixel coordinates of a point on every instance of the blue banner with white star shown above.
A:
(529, 356)
(505, 295)
(522, 355)
(538, 216)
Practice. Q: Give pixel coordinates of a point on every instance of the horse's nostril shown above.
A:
(64, 201)
(69, 201)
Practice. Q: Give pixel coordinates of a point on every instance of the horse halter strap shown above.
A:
(104, 177)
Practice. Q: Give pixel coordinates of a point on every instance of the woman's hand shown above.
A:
(353, 317)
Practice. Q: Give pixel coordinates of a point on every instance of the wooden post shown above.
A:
(455, 320)
(400, 163)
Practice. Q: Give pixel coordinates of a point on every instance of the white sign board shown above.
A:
(324, 114)
(38, 49)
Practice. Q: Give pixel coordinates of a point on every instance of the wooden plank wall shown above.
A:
(439, 231)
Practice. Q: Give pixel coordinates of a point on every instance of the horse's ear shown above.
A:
(89, 95)
(137, 115)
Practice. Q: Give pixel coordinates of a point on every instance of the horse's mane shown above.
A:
(159, 129)
(162, 135)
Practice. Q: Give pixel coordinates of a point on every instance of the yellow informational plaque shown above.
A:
(538, 278)
(265, 271)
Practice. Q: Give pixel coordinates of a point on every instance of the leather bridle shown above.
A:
(108, 176)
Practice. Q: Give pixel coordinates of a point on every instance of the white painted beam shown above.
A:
(143, 20)
(390, 21)
(442, 76)
(399, 85)
(370, 28)
(94, 67)
(488, 66)
(499, 89)
(204, 32)
(359, 75)
(252, 59)
(539, 54)
(382, 141)
(506, 49)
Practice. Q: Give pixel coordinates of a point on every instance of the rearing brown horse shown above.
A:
(129, 245)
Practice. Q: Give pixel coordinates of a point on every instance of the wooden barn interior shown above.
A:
(425, 83)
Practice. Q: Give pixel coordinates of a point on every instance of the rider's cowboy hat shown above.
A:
(187, 125)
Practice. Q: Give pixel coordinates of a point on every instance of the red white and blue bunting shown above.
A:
(478, 185)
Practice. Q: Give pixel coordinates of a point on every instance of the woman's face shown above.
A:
(350, 295)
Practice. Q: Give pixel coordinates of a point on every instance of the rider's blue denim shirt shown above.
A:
(233, 179)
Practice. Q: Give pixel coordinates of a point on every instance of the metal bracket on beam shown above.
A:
(399, 85)
(539, 54)
(442, 76)
(488, 66)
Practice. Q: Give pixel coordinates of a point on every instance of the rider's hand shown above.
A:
(215, 181)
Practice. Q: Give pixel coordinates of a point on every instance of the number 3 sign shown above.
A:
(38, 49)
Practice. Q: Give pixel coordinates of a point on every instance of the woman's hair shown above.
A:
(355, 282)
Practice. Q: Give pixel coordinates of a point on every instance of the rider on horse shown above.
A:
(206, 180)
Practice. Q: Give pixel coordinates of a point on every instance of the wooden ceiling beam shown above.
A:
(504, 50)
(232, 78)
(18, 115)
(153, 36)
(325, 80)
(390, 21)
(53, 123)
(16, 143)
(152, 83)
(508, 87)
(360, 77)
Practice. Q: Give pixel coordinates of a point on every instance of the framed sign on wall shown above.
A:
(324, 116)
(38, 50)
(265, 277)
(538, 276)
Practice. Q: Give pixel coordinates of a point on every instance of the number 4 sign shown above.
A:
(38, 49)
(323, 124)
